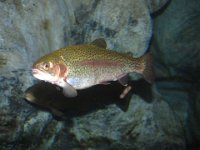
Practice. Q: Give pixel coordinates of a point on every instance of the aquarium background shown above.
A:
(161, 116)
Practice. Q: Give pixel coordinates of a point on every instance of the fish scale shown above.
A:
(85, 53)
(82, 66)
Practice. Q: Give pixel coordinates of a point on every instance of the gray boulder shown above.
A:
(29, 30)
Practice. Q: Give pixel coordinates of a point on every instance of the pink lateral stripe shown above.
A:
(101, 63)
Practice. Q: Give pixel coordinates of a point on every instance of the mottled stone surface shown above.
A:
(177, 51)
(30, 29)
(155, 5)
(177, 35)
(141, 127)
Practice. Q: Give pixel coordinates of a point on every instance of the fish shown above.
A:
(78, 67)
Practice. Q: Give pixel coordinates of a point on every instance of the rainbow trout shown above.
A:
(82, 66)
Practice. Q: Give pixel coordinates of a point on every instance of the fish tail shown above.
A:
(2, 61)
(147, 68)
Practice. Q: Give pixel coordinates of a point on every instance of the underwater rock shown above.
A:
(30, 29)
(155, 5)
(3, 60)
(177, 53)
(176, 34)
(96, 121)
(193, 124)
(143, 126)
(127, 31)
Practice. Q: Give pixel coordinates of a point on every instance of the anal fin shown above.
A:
(123, 79)
(125, 92)
(125, 98)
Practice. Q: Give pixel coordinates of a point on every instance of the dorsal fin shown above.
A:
(100, 43)
(129, 53)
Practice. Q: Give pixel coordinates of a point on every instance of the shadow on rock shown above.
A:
(49, 97)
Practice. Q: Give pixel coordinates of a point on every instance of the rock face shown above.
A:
(133, 129)
(95, 120)
(177, 51)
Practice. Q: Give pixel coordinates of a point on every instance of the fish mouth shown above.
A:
(38, 74)
(45, 76)
(35, 71)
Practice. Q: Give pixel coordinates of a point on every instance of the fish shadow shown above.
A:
(48, 97)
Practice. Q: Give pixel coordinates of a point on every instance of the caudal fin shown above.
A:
(148, 72)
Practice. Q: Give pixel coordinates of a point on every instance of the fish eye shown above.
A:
(46, 66)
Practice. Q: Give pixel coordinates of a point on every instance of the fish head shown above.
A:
(50, 70)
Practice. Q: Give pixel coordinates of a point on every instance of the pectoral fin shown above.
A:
(69, 91)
